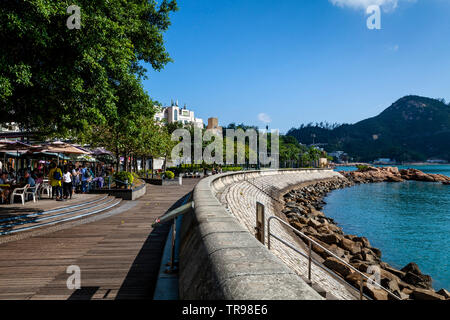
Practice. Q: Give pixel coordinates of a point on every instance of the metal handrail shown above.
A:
(311, 259)
(172, 216)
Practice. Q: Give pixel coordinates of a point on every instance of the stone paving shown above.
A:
(239, 195)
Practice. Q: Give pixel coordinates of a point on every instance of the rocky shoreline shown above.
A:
(302, 208)
(392, 174)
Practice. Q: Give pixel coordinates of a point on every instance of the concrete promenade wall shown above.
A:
(219, 255)
(239, 193)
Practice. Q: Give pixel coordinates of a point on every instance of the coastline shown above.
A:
(354, 164)
(302, 209)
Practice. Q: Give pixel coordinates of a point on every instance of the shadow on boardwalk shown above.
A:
(141, 279)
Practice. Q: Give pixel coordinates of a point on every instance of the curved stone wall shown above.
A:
(219, 255)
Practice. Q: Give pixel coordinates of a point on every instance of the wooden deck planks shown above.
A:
(119, 256)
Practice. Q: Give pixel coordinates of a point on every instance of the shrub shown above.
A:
(225, 169)
(123, 176)
(169, 174)
(362, 168)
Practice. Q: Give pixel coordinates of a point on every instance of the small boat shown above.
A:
(446, 183)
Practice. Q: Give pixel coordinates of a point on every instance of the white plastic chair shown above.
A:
(33, 191)
(19, 192)
(47, 188)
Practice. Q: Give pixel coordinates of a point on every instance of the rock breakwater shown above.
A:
(392, 174)
(302, 207)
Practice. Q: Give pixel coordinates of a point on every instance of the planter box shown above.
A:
(125, 194)
(162, 182)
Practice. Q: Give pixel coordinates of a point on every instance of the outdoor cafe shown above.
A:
(24, 168)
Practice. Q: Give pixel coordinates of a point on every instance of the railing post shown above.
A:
(260, 232)
(174, 233)
(361, 285)
(309, 260)
(171, 264)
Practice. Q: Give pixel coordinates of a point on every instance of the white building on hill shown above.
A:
(176, 114)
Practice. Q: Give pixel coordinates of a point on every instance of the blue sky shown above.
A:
(300, 61)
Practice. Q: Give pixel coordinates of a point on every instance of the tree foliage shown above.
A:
(62, 81)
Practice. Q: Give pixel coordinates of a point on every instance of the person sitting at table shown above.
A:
(29, 179)
(34, 174)
(39, 178)
(4, 192)
(4, 178)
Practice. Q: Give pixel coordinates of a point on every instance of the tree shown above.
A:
(63, 81)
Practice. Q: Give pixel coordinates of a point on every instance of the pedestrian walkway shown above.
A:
(118, 256)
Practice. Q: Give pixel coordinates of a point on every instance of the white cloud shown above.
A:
(387, 5)
(392, 47)
(263, 117)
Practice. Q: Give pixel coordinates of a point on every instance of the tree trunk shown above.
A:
(153, 165)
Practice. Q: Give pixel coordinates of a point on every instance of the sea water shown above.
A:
(407, 221)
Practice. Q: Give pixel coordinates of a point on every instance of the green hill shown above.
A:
(412, 129)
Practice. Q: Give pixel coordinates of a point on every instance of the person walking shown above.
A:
(85, 177)
(55, 176)
(67, 184)
(76, 179)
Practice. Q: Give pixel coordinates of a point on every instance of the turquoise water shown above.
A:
(408, 221)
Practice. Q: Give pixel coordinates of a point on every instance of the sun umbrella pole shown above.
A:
(16, 163)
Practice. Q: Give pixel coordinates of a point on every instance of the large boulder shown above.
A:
(424, 294)
(411, 267)
(331, 238)
(394, 271)
(384, 274)
(394, 179)
(350, 236)
(341, 253)
(415, 277)
(355, 279)
(309, 231)
(297, 225)
(369, 256)
(316, 213)
(334, 228)
(391, 285)
(303, 220)
(420, 281)
(338, 266)
(314, 223)
(376, 294)
(352, 246)
(363, 240)
(321, 252)
(376, 251)
(360, 265)
(392, 170)
(444, 293)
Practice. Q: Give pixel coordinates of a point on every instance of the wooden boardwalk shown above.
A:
(119, 256)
